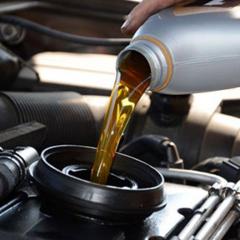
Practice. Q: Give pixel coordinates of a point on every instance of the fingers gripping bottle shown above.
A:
(191, 47)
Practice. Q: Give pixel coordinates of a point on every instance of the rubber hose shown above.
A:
(190, 175)
(36, 27)
(66, 114)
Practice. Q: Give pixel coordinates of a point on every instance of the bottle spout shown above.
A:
(155, 58)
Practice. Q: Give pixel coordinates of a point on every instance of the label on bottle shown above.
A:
(205, 6)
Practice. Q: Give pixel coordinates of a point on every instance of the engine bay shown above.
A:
(57, 65)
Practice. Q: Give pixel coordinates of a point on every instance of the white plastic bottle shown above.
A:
(191, 48)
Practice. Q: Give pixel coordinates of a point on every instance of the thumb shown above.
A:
(142, 11)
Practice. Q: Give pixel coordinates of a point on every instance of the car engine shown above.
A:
(57, 67)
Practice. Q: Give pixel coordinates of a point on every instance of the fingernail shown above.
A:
(126, 24)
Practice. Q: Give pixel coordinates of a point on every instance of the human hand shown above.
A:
(142, 11)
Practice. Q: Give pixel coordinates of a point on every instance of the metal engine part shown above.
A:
(30, 221)
(13, 168)
(207, 125)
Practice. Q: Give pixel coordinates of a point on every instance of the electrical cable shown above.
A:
(210, 164)
(36, 27)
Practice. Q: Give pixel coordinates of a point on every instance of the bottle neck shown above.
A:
(155, 58)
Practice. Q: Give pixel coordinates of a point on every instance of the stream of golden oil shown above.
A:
(132, 80)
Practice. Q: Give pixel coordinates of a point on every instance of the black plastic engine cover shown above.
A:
(26, 220)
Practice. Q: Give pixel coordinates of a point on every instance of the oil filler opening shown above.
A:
(114, 179)
(135, 189)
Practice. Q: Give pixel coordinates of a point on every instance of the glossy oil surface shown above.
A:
(132, 80)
